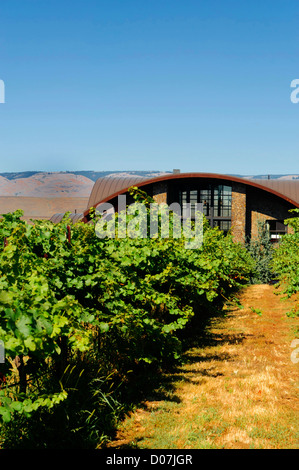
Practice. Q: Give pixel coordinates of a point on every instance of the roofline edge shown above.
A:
(174, 176)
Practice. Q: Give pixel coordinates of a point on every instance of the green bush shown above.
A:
(286, 258)
(261, 250)
(110, 305)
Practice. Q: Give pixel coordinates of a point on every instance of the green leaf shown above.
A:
(104, 327)
(44, 324)
(30, 343)
(6, 298)
(23, 325)
(16, 405)
(6, 414)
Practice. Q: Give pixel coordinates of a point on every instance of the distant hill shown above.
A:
(272, 177)
(92, 175)
(75, 183)
(35, 184)
(57, 184)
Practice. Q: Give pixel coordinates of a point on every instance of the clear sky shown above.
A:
(199, 85)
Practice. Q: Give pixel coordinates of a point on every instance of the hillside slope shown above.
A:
(47, 185)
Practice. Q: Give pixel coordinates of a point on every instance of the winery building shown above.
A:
(231, 203)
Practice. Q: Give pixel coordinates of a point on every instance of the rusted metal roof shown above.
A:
(105, 187)
(109, 187)
(56, 218)
(75, 217)
(288, 188)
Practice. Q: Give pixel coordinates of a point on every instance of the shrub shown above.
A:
(110, 305)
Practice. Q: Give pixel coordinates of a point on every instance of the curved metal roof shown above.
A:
(287, 188)
(75, 217)
(56, 218)
(107, 188)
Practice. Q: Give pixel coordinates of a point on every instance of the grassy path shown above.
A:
(237, 388)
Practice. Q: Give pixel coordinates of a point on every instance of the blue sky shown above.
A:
(200, 85)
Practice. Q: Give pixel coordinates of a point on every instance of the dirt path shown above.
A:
(238, 388)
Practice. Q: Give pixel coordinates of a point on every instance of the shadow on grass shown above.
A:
(196, 338)
(89, 418)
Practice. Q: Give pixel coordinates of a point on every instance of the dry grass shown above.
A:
(237, 388)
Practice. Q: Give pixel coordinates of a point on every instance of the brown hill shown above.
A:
(47, 185)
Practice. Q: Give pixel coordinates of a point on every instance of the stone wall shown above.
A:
(264, 206)
(239, 212)
(160, 192)
(249, 206)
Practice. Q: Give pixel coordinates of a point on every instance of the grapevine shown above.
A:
(67, 296)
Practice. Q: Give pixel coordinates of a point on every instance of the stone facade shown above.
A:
(249, 207)
(238, 218)
(263, 206)
(160, 192)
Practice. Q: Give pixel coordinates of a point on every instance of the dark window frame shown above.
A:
(212, 196)
(276, 229)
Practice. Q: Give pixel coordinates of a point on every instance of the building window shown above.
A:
(224, 225)
(276, 229)
(216, 200)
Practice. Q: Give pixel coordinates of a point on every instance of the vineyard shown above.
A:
(84, 319)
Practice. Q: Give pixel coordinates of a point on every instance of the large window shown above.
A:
(276, 229)
(217, 203)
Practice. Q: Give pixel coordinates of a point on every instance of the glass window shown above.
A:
(222, 201)
(205, 196)
(276, 229)
(216, 200)
(183, 201)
